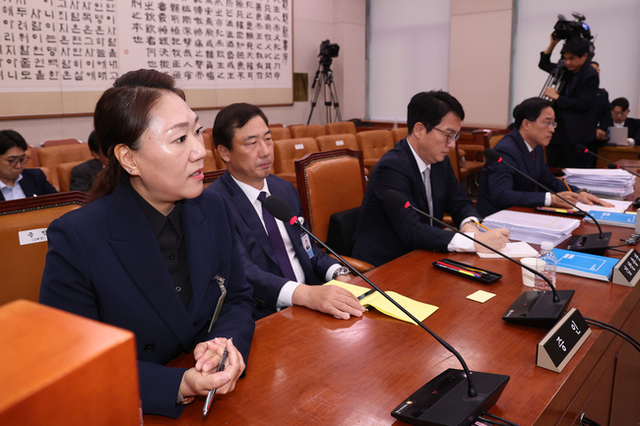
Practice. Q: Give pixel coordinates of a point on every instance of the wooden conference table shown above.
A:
(308, 368)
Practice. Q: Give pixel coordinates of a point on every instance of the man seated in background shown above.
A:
(277, 265)
(418, 168)
(620, 115)
(83, 174)
(502, 187)
(16, 182)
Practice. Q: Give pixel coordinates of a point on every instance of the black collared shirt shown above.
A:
(169, 233)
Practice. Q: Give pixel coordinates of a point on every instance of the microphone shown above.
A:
(442, 401)
(611, 165)
(535, 308)
(588, 243)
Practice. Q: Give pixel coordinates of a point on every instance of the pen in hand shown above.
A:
(209, 402)
(363, 295)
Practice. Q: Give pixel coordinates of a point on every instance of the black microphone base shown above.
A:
(444, 401)
(590, 243)
(537, 308)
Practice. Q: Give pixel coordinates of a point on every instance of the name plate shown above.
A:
(557, 348)
(33, 236)
(626, 270)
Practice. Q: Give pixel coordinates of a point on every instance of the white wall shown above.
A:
(409, 53)
(341, 21)
(614, 22)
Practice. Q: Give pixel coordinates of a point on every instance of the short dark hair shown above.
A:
(231, 118)
(122, 114)
(93, 143)
(429, 108)
(576, 46)
(596, 63)
(529, 109)
(621, 102)
(11, 138)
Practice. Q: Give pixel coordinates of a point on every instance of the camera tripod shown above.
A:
(324, 76)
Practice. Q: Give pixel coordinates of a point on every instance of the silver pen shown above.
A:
(209, 402)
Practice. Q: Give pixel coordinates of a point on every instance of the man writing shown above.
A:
(418, 168)
(502, 187)
(280, 269)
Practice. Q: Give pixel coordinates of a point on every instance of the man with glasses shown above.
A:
(620, 115)
(502, 187)
(16, 182)
(418, 167)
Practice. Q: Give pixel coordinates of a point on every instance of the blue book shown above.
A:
(584, 264)
(628, 220)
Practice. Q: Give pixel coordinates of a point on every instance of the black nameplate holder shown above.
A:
(626, 271)
(562, 342)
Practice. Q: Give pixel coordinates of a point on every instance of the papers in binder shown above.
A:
(533, 228)
(610, 183)
(418, 309)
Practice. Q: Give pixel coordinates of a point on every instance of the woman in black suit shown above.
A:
(16, 182)
(151, 253)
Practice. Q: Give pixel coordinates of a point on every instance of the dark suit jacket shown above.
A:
(502, 187)
(386, 232)
(33, 183)
(262, 268)
(574, 108)
(83, 174)
(634, 128)
(104, 263)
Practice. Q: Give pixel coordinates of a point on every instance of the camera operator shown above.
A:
(573, 105)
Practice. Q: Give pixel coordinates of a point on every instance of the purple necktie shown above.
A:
(276, 241)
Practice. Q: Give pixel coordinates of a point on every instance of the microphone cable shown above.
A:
(495, 420)
(614, 330)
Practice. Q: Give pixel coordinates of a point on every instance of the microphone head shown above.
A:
(582, 148)
(279, 208)
(492, 154)
(395, 198)
(613, 166)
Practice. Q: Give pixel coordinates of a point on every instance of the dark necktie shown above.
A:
(533, 156)
(276, 241)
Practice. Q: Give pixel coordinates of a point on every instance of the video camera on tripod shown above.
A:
(564, 30)
(324, 76)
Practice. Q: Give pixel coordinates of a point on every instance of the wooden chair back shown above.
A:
(54, 155)
(340, 128)
(338, 141)
(23, 242)
(306, 131)
(286, 152)
(64, 174)
(280, 133)
(58, 142)
(373, 144)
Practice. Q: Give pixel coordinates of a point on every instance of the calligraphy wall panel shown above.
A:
(58, 56)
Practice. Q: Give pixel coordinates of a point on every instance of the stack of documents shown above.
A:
(608, 183)
(533, 228)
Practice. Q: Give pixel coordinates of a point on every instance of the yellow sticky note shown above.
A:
(480, 296)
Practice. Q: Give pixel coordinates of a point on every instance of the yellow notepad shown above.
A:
(418, 309)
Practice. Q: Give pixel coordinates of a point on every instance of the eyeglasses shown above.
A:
(618, 113)
(451, 137)
(22, 160)
(550, 124)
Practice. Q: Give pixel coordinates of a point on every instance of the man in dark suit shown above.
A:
(16, 182)
(620, 115)
(502, 187)
(281, 271)
(573, 105)
(83, 174)
(418, 168)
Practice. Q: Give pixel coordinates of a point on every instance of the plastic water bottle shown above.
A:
(547, 264)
